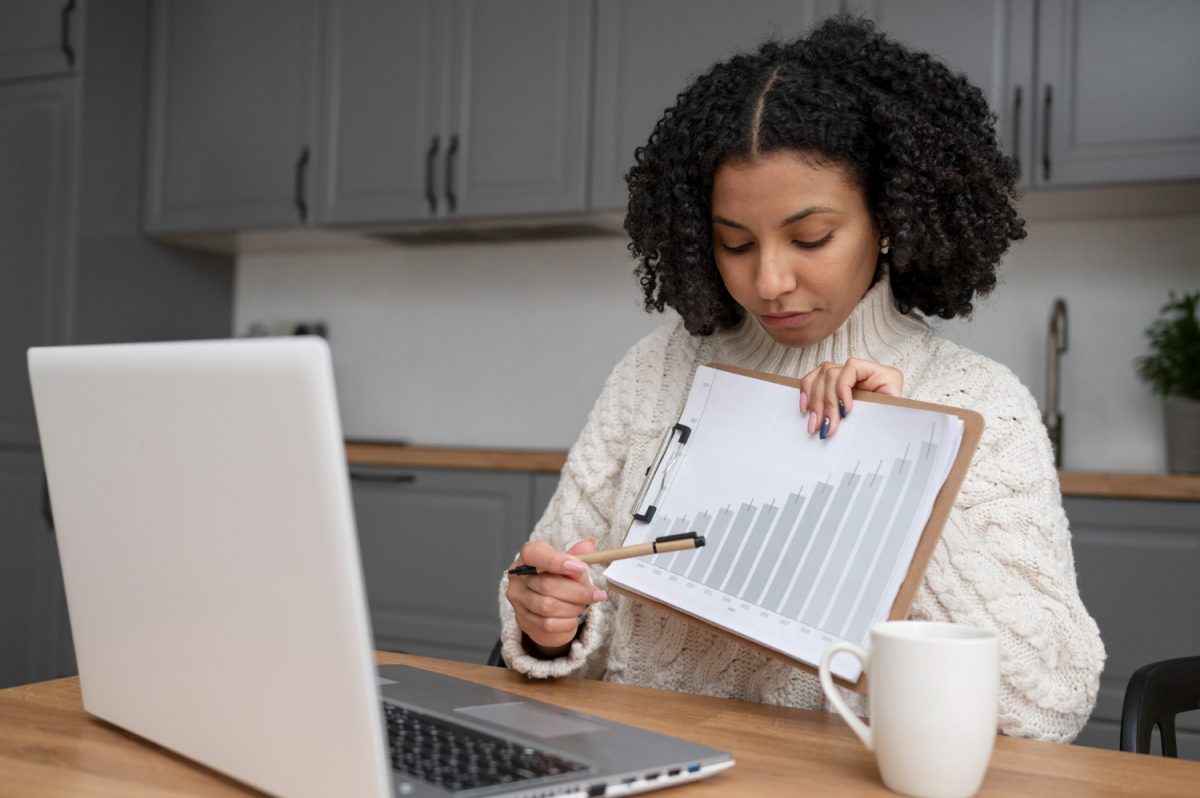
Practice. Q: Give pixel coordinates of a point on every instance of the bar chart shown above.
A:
(807, 543)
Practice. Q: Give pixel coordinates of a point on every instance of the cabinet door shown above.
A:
(647, 52)
(434, 544)
(1139, 576)
(37, 133)
(384, 95)
(992, 41)
(232, 114)
(37, 38)
(1118, 91)
(518, 124)
(33, 620)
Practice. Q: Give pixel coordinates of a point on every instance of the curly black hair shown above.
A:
(917, 137)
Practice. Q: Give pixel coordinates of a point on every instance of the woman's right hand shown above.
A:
(552, 604)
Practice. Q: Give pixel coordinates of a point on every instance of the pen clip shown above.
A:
(680, 536)
(664, 445)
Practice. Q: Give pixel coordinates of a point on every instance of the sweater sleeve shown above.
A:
(584, 505)
(1005, 563)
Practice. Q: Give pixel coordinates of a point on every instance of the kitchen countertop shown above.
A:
(1180, 487)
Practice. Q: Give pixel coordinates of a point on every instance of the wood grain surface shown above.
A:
(50, 747)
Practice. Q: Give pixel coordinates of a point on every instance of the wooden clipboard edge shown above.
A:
(972, 433)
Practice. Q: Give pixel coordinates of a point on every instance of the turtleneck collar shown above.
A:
(875, 330)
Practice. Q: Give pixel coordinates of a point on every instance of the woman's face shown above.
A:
(795, 243)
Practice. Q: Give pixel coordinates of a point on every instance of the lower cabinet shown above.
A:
(434, 544)
(35, 635)
(1138, 563)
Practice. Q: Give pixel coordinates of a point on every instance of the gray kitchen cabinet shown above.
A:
(1118, 93)
(233, 114)
(385, 98)
(1112, 99)
(434, 544)
(37, 38)
(544, 486)
(77, 269)
(451, 110)
(647, 52)
(37, 150)
(33, 620)
(1138, 564)
(991, 41)
(518, 128)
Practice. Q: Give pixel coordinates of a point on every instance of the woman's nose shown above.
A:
(775, 277)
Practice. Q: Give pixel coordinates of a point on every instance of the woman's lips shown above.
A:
(783, 320)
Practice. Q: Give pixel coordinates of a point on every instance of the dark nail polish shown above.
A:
(841, 408)
(825, 428)
(582, 618)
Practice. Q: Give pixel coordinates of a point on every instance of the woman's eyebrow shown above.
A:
(795, 217)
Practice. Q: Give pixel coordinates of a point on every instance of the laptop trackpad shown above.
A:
(527, 719)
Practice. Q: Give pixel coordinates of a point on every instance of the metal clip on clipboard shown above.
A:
(684, 433)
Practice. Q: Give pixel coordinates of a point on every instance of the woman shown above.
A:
(795, 207)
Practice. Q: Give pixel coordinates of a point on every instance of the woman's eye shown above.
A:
(738, 248)
(814, 244)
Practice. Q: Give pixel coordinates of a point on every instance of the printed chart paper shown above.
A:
(808, 540)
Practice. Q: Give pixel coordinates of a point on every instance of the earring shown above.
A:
(884, 245)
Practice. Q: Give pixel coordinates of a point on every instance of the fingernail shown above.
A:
(812, 422)
(574, 566)
(599, 596)
(825, 428)
(842, 408)
(582, 618)
(803, 402)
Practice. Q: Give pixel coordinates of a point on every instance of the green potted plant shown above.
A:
(1173, 370)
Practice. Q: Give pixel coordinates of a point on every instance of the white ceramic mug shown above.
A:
(933, 691)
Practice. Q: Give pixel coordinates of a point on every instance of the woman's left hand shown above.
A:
(825, 391)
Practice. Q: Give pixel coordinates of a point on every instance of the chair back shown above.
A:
(1155, 695)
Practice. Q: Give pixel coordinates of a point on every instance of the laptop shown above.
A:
(205, 526)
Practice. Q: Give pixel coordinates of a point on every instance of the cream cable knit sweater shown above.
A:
(1004, 560)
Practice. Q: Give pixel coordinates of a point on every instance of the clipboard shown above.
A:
(972, 432)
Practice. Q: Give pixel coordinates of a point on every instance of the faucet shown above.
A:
(1056, 344)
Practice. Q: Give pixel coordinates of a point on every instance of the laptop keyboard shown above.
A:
(459, 758)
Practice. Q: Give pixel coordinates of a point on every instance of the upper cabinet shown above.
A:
(38, 38)
(450, 110)
(372, 114)
(647, 52)
(1112, 98)
(1118, 92)
(233, 114)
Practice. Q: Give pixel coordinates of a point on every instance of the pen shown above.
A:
(680, 542)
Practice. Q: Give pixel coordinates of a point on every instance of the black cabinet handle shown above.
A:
(451, 199)
(1016, 130)
(430, 157)
(47, 510)
(1046, 135)
(64, 33)
(390, 477)
(301, 176)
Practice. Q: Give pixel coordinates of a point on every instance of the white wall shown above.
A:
(507, 344)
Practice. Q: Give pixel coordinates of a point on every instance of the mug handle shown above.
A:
(835, 697)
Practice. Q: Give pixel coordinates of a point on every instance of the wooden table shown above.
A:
(50, 747)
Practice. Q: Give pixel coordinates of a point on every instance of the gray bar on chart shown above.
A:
(678, 561)
(890, 546)
(773, 548)
(857, 569)
(660, 560)
(791, 557)
(839, 558)
(811, 568)
(758, 536)
(729, 550)
(715, 539)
